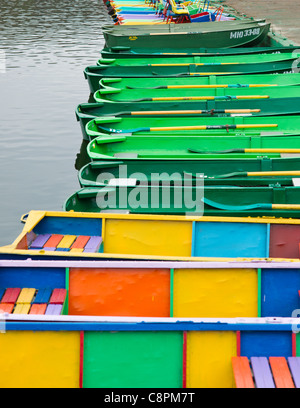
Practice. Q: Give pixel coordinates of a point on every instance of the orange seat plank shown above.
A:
(38, 309)
(242, 372)
(281, 372)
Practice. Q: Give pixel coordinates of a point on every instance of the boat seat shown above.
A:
(26, 295)
(43, 296)
(66, 243)
(11, 295)
(260, 372)
(53, 309)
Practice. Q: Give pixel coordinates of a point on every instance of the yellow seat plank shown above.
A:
(67, 241)
(26, 295)
(22, 308)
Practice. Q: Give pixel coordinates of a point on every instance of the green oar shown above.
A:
(174, 128)
(250, 206)
(264, 150)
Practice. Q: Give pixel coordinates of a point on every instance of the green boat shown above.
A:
(183, 126)
(182, 94)
(95, 73)
(228, 34)
(198, 60)
(259, 107)
(272, 201)
(233, 171)
(133, 147)
(212, 81)
(125, 52)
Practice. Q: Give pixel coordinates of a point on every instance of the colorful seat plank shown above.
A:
(262, 372)
(242, 372)
(6, 307)
(40, 241)
(66, 242)
(43, 295)
(38, 309)
(294, 365)
(11, 295)
(80, 242)
(281, 372)
(93, 244)
(53, 241)
(53, 309)
(22, 308)
(58, 296)
(26, 295)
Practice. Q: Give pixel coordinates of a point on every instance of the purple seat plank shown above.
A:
(40, 241)
(262, 373)
(53, 309)
(294, 364)
(93, 244)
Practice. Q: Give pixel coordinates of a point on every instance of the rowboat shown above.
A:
(227, 34)
(159, 318)
(95, 73)
(183, 198)
(218, 108)
(198, 60)
(206, 94)
(133, 147)
(196, 126)
(154, 237)
(242, 170)
(125, 52)
(212, 81)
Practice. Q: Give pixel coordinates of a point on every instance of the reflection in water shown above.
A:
(82, 157)
(47, 44)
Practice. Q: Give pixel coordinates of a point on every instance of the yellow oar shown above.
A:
(193, 112)
(288, 173)
(187, 64)
(201, 98)
(264, 150)
(214, 86)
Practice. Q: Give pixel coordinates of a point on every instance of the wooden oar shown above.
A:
(250, 206)
(192, 112)
(201, 127)
(265, 150)
(206, 86)
(200, 98)
(187, 64)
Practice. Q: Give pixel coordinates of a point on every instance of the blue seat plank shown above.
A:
(43, 295)
(262, 373)
(294, 364)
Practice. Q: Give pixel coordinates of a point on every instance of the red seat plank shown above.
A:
(11, 295)
(281, 372)
(242, 372)
(58, 296)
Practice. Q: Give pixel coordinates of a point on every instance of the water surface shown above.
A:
(47, 45)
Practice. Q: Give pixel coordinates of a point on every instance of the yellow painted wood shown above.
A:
(39, 359)
(209, 359)
(215, 293)
(22, 308)
(67, 241)
(78, 250)
(160, 237)
(26, 295)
